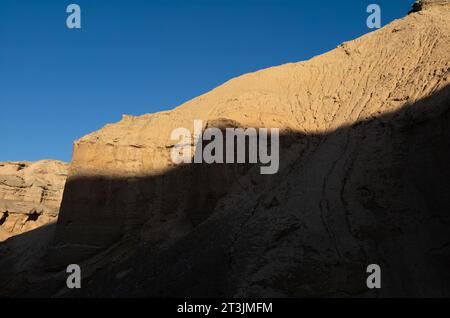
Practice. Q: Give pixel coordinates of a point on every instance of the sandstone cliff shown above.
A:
(30, 195)
(363, 179)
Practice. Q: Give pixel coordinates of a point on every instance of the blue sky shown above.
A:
(136, 57)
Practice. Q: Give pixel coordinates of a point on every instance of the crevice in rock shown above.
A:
(4, 217)
(33, 217)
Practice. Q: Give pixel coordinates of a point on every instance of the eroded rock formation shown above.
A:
(30, 195)
(363, 179)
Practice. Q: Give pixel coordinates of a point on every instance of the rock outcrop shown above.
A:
(420, 5)
(30, 195)
(363, 179)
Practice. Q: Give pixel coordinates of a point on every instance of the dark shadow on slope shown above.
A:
(373, 192)
(21, 257)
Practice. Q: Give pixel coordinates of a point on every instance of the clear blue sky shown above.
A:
(136, 57)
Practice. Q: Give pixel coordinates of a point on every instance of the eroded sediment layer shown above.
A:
(30, 195)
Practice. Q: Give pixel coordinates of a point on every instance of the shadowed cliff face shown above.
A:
(363, 180)
(372, 192)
